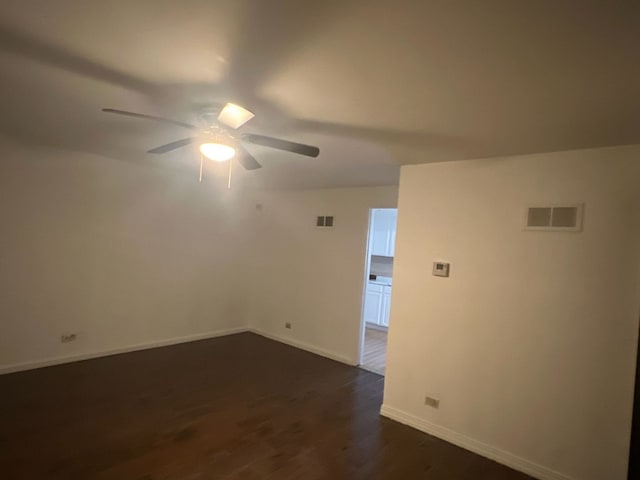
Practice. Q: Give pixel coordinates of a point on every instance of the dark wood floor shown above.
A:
(237, 407)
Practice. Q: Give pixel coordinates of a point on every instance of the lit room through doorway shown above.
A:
(377, 288)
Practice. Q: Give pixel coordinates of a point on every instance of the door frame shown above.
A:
(365, 281)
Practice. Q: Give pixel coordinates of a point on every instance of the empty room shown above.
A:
(342, 239)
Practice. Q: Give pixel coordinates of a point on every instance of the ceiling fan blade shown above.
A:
(173, 145)
(279, 144)
(246, 159)
(150, 117)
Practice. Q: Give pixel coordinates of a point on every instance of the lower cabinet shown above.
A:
(377, 304)
(373, 303)
(386, 307)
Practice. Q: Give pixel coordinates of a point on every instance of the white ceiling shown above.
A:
(374, 84)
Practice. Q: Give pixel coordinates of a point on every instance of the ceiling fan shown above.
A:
(218, 140)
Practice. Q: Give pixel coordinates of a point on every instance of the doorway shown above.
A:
(378, 284)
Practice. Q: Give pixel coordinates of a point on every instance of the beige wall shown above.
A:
(121, 254)
(530, 344)
(313, 277)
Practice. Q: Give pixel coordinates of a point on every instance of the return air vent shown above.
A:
(567, 218)
(324, 221)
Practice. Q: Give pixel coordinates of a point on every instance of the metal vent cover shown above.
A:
(567, 217)
(324, 221)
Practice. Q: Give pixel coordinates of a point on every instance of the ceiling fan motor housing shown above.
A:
(209, 116)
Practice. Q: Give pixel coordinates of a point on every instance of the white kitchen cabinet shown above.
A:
(373, 303)
(377, 304)
(386, 306)
(383, 231)
(392, 239)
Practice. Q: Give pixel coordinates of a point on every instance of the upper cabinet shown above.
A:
(383, 232)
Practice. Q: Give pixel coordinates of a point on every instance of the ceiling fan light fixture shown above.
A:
(234, 116)
(218, 152)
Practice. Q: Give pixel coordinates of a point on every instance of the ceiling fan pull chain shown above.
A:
(201, 157)
(229, 181)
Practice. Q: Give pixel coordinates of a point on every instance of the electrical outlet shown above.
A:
(68, 337)
(432, 402)
(287, 325)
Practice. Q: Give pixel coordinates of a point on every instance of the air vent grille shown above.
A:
(539, 217)
(554, 217)
(324, 221)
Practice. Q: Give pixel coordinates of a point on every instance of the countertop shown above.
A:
(380, 282)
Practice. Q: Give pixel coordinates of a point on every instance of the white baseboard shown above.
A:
(18, 367)
(48, 362)
(475, 446)
(305, 346)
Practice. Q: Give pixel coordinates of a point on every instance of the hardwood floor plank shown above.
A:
(374, 357)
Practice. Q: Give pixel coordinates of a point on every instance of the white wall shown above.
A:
(530, 344)
(313, 277)
(128, 255)
(123, 254)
